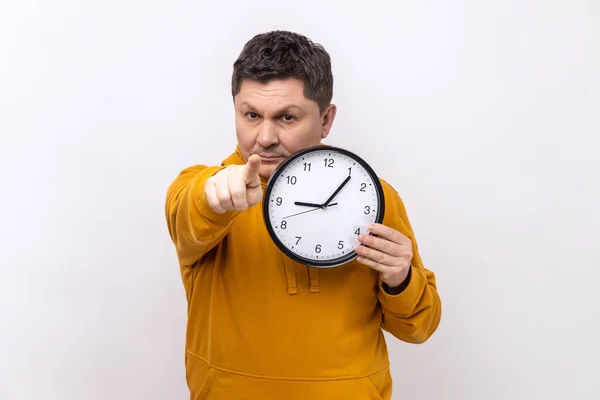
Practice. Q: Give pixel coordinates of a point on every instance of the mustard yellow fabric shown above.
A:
(261, 326)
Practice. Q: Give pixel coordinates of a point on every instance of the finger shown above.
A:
(377, 256)
(210, 191)
(223, 193)
(384, 245)
(251, 170)
(237, 189)
(390, 234)
(384, 269)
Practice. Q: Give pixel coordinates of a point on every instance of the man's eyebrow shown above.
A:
(246, 105)
(281, 110)
(290, 108)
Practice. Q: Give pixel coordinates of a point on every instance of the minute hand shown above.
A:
(336, 191)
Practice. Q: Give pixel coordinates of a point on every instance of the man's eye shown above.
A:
(252, 115)
(288, 117)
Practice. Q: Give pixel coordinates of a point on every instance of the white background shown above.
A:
(485, 115)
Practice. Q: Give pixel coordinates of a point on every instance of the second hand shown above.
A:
(304, 212)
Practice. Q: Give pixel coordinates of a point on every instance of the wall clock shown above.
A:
(318, 201)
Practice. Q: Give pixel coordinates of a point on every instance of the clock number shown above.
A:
(367, 210)
(329, 162)
(363, 186)
(307, 167)
(357, 232)
(283, 224)
(341, 244)
(318, 248)
(298, 241)
(291, 180)
(279, 201)
(350, 171)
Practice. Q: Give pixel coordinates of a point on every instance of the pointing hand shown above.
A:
(236, 187)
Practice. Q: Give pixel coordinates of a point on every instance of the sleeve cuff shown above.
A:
(400, 288)
(405, 300)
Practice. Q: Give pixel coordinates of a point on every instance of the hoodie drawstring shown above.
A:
(313, 278)
(290, 275)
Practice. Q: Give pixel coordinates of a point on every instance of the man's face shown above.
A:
(274, 120)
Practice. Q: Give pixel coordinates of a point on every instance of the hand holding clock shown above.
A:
(390, 253)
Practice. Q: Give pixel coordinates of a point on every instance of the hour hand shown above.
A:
(301, 203)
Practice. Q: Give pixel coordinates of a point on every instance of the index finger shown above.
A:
(251, 168)
(390, 234)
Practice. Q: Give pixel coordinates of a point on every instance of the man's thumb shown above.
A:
(252, 168)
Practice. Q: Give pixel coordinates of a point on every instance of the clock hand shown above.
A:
(304, 212)
(300, 203)
(336, 192)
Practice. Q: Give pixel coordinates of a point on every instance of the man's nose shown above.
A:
(267, 134)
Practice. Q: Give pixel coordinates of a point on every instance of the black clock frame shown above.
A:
(302, 260)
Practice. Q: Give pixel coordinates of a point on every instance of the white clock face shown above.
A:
(300, 220)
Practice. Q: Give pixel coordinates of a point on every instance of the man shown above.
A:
(261, 326)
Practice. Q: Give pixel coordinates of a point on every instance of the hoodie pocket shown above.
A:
(371, 389)
(200, 377)
(220, 384)
(206, 385)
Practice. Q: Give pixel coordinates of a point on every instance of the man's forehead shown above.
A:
(273, 95)
(288, 88)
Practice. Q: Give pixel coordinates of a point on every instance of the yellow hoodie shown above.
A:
(261, 326)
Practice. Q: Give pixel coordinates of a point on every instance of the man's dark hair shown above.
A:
(284, 55)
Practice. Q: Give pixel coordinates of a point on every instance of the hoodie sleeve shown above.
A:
(414, 314)
(194, 226)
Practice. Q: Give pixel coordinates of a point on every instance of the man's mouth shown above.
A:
(270, 157)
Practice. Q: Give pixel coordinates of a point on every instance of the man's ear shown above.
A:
(328, 116)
